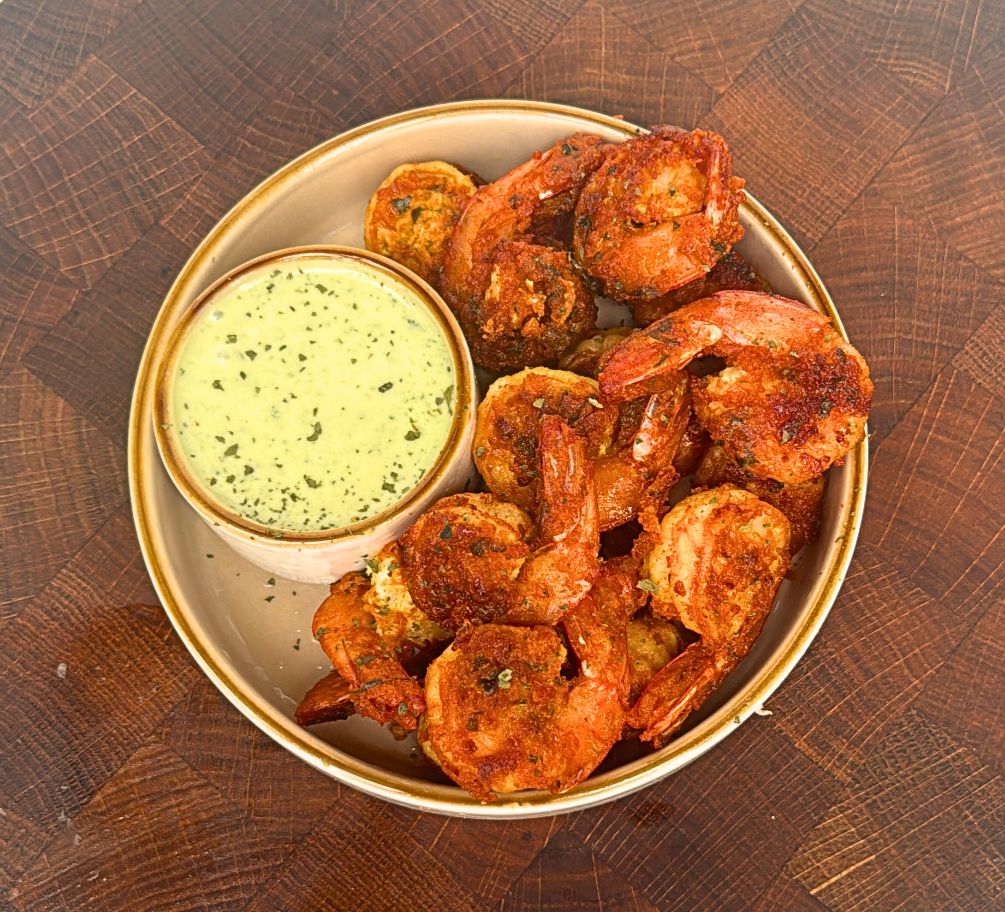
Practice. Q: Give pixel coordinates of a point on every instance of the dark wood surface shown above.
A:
(875, 129)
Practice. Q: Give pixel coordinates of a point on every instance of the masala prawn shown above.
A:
(519, 301)
(475, 559)
(413, 212)
(793, 398)
(502, 714)
(631, 446)
(658, 214)
(714, 563)
(380, 688)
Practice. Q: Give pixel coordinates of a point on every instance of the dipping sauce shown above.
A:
(312, 393)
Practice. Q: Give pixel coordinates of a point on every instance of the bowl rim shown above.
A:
(452, 800)
(169, 353)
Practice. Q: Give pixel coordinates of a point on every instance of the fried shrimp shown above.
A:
(474, 559)
(508, 427)
(793, 398)
(520, 302)
(502, 715)
(659, 213)
(462, 557)
(631, 447)
(381, 689)
(799, 502)
(731, 273)
(330, 700)
(413, 212)
(714, 563)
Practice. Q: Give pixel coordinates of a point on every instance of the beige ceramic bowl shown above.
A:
(319, 557)
(253, 639)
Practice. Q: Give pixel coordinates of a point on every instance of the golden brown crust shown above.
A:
(658, 213)
(496, 249)
(473, 558)
(720, 557)
(801, 503)
(793, 399)
(714, 563)
(508, 427)
(400, 622)
(732, 272)
(534, 308)
(462, 557)
(380, 687)
(413, 212)
(504, 717)
(631, 447)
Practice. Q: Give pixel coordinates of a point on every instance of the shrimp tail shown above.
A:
(380, 687)
(676, 691)
(330, 700)
(560, 571)
(649, 360)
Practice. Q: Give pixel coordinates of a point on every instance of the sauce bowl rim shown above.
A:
(197, 493)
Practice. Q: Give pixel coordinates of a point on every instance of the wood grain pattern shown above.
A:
(919, 314)
(62, 480)
(594, 60)
(871, 852)
(86, 173)
(962, 200)
(843, 116)
(875, 129)
(947, 453)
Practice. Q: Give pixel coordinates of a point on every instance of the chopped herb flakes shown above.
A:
(296, 442)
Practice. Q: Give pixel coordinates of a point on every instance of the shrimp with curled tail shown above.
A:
(659, 213)
(714, 563)
(793, 398)
(379, 687)
(502, 713)
(473, 558)
(519, 301)
(631, 447)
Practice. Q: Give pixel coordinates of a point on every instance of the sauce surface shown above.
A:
(313, 393)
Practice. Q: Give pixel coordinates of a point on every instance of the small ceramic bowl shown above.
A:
(319, 557)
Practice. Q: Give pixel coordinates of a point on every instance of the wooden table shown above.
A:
(874, 130)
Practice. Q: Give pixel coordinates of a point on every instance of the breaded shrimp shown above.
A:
(658, 213)
(508, 427)
(413, 212)
(714, 563)
(380, 687)
(520, 302)
(793, 398)
(473, 558)
(631, 447)
(502, 716)
(799, 502)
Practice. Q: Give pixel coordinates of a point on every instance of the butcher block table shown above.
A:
(874, 130)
